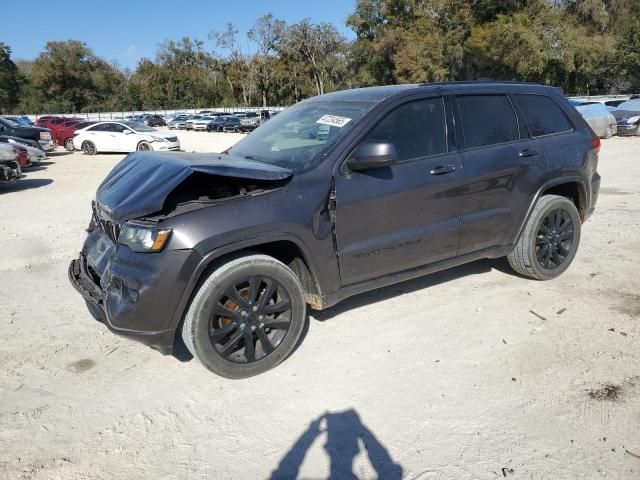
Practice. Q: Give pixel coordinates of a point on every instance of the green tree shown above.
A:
(10, 80)
(67, 77)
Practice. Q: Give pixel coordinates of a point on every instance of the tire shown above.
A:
(608, 133)
(144, 147)
(269, 320)
(89, 148)
(68, 145)
(547, 246)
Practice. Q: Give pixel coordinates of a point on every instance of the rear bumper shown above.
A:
(593, 197)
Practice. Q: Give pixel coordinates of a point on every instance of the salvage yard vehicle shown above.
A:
(15, 129)
(10, 169)
(177, 122)
(217, 124)
(200, 124)
(123, 137)
(599, 118)
(628, 116)
(64, 135)
(232, 124)
(337, 195)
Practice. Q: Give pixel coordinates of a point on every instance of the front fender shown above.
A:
(211, 257)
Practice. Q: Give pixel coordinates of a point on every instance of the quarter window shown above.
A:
(417, 129)
(543, 115)
(487, 120)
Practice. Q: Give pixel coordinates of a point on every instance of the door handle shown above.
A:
(442, 170)
(528, 152)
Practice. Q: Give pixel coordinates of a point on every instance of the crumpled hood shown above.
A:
(141, 182)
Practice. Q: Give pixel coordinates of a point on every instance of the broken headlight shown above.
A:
(143, 239)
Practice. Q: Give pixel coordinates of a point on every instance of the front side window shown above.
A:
(543, 115)
(417, 129)
(487, 120)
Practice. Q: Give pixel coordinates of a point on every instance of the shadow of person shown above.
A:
(345, 433)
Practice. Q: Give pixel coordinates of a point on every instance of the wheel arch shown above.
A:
(286, 248)
(573, 188)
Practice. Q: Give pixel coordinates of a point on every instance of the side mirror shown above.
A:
(372, 155)
(127, 132)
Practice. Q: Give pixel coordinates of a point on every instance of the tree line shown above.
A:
(583, 46)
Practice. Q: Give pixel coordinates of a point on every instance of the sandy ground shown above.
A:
(472, 373)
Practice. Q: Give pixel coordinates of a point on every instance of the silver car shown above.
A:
(599, 118)
(177, 122)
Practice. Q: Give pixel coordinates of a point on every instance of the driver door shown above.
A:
(405, 215)
(122, 138)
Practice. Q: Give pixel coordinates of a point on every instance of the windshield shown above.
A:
(139, 127)
(296, 137)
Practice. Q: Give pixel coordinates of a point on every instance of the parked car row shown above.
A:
(613, 117)
(42, 136)
(220, 122)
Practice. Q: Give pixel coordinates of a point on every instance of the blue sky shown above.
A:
(127, 30)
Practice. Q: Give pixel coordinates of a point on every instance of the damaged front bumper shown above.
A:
(134, 294)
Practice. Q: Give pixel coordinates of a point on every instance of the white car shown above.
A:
(123, 137)
(201, 123)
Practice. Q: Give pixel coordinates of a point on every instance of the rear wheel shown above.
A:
(550, 239)
(246, 318)
(68, 144)
(608, 133)
(89, 148)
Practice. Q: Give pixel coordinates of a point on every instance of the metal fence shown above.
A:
(164, 112)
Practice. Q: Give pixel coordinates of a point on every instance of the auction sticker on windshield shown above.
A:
(333, 121)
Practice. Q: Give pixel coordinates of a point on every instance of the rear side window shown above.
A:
(543, 115)
(487, 120)
(417, 129)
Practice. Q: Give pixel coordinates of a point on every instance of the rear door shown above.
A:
(405, 215)
(501, 166)
(99, 135)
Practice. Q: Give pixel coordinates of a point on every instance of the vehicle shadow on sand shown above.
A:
(410, 286)
(25, 184)
(345, 438)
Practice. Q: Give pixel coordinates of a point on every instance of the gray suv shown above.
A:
(337, 195)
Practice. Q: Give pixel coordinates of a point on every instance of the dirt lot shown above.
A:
(472, 373)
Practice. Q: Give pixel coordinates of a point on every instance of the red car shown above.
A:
(51, 122)
(64, 134)
(23, 157)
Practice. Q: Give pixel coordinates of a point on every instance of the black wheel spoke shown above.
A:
(265, 341)
(566, 235)
(217, 334)
(278, 324)
(268, 292)
(279, 307)
(223, 311)
(233, 341)
(249, 347)
(254, 283)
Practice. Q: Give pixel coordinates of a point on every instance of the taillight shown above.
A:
(595, 144)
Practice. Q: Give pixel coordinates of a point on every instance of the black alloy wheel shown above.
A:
(549, 241)
(250, 320)
(554, 241)
(246, 317)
